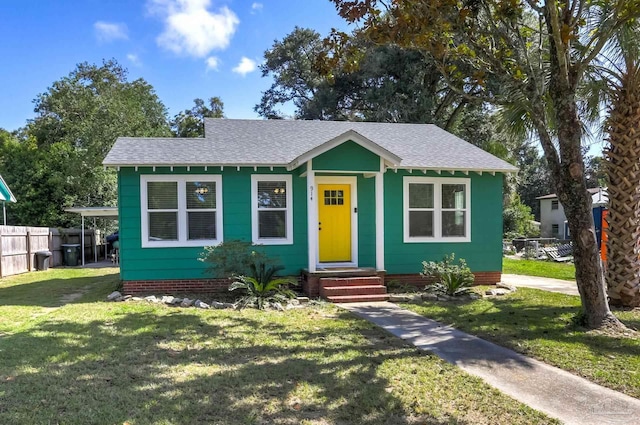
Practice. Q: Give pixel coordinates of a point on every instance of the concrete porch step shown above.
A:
(327, 291)
(350, 281)
(357, 298)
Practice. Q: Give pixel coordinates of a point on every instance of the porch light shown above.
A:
(278, 191)
(202, 190)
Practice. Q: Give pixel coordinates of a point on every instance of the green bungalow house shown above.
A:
(5, 196)
(332, 200)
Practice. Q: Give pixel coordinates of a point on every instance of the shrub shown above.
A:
(234, 257)
(451, 279)
(517, 219)
(262, 288)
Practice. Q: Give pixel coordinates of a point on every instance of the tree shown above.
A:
(538, 51)
(390, 84)
(533, 177)
(595, 171)
(77, 121)
(190, 122)
(619, 76)
(517, 220)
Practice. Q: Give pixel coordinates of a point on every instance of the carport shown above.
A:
(93, 212)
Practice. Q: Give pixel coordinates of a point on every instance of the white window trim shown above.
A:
(437, 209)
(182, 210)
(255, 178)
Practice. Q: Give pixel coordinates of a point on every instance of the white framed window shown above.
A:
(181, 210)
(437, 209)
(272, 209)
(554, 204)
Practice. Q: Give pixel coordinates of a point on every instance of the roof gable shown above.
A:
(5, 192)
(348, 136)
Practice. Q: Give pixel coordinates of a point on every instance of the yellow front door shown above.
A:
(334, 223)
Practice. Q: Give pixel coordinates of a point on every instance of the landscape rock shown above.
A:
(151, 298)
(303, 300)
(400, 298)
(429, 296)
(168, 299)
(474, 296)
(217, 305)
(444, 297)
(134, 299)
(119, 299)
(200, 304)
(229, 305)
(186, 303)
(507, 286)
(112, 296)
(497, 292)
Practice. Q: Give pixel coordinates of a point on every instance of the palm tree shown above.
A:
(620, 81)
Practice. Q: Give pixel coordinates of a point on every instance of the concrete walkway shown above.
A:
(568, 287)
(557, 393)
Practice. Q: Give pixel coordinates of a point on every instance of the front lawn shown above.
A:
(94, 362)
(564, 271)
(539, 324)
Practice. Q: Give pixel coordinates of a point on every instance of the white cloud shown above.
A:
(212, 63)
(191, 28)
(110, 31)
(245, 66)
(134, 59)
(256, 7)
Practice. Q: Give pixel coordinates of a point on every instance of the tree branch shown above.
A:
(560, 48)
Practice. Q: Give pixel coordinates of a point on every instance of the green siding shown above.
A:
(349, 156)
(366, 222)
(137, 263)
(483, 253)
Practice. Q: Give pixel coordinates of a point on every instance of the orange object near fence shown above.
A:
(605, 236)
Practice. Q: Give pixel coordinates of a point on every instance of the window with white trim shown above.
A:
(272, 209)
(181, 210)
(437, 209)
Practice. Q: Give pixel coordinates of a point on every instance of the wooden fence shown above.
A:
(19, 244)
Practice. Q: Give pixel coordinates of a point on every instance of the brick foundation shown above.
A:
(197, 286)
(310, 284)
(481, 278)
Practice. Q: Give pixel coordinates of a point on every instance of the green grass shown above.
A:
(540, 268)
(539, 324)
(93, 362)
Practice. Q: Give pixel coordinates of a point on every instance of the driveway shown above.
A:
(568, 287)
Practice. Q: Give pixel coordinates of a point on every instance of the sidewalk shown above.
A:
(568, 287)
(557, 393)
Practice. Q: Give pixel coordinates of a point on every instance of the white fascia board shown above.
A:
(194, 165)
(11, 197)
(462, 170)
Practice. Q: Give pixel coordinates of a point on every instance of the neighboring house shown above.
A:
(320, 195)
(5, 196)
(553, 221)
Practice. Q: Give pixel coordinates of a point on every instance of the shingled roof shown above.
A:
(230, 142)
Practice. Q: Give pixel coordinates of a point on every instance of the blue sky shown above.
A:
(184, 48)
